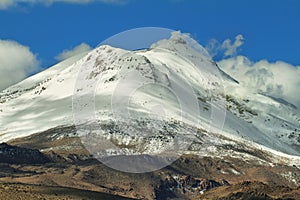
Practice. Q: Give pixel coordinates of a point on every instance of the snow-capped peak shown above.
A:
(173, 81)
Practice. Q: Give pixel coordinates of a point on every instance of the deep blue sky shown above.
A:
(271, 28)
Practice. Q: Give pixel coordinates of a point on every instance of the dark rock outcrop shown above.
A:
(18, 155)
(185, 186)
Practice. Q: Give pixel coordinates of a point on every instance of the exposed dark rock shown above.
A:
(185, 186)
(17, 155)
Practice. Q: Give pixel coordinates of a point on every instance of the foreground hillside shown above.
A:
(29, 192)
(65, 171)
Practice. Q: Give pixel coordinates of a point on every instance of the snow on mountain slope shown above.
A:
(39, 102)
(167, 73)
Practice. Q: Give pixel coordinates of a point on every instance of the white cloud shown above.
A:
(213, 47)
(231, 48)
(278, 79)
(6, 4)
(16, 63)
(227, 47)
(83, 47)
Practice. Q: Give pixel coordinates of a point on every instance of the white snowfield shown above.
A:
(173, 81)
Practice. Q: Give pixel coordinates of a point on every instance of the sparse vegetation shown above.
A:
(240, 107)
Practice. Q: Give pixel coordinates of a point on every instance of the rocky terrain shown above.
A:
(67, 170)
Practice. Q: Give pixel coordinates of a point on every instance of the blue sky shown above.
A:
(270, 28)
